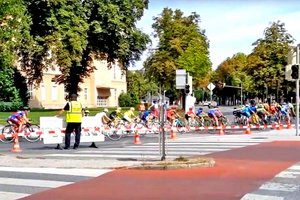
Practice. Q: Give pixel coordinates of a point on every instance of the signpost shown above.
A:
(211, 87)
(294, 59)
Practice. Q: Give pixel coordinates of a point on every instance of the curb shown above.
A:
(171, 165)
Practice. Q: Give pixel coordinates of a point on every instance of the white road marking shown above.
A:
(59, 171)
(279, 187)
(260, 197)
(12, 195)
(288, 174)
(33, 182)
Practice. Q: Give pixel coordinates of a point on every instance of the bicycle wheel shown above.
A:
(114, 135)
(7, 132)
(31, 133)
(224, 121)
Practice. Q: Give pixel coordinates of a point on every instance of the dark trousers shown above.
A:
(70, 128)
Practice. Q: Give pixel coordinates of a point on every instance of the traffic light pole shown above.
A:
(297, 94)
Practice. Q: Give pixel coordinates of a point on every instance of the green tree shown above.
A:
(266, 62)
(139, 85)
(72, 33)
(182, 44)
(14, 31)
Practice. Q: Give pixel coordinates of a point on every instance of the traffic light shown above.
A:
(187, 89)
(295, 72)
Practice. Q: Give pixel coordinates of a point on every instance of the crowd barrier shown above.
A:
(53, 130)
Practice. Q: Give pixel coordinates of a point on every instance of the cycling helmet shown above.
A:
(25, 108)
(132, 108)
(105, 110)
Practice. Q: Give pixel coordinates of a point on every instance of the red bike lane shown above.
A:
(236, 173)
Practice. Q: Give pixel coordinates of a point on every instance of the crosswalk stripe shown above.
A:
(288, 174)
(152, 151)
(260, 197)
(279, 187)
(59, 171)
(295, 167)
(32, 182)
(16, 187)
(213, 143)
(12, 195)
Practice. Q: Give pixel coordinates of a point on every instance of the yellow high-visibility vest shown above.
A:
(74, 114)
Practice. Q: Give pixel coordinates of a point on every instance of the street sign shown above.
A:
(211, 86)
(180, 78)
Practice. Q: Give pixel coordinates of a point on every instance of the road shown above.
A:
(246, 163)
(40, 167)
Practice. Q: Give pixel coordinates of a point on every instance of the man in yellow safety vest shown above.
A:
(73, 118)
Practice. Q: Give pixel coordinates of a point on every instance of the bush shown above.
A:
(124, 100)
(9, 106)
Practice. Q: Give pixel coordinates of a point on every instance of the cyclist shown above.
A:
(262, 112)
(19, 118)
(102, 117)
(285, 111)
(172, 115)
(147, 116)
(129, 115)
(115, 115)
(214, 113)
(190, 116)
(291, 109)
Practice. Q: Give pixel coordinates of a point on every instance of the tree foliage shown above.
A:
(139, 85)
(182, 45)
(262, 71)
(71, 33)
(269, 56)
(14, 23)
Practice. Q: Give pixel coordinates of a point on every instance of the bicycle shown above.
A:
(28, 131)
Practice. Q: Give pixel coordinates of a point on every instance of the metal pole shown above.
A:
(241, 94)
(163, 157)
(297, 94)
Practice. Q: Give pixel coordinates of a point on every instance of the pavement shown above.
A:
(237, 173)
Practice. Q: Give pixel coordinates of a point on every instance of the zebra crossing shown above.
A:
(284, 186)
(19, 182)
(186, 146)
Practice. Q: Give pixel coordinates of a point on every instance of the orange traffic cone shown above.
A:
(137, 138)
(279, 127)
(16, 147)
(173, 134)
(221, 131)
(248, 130)
(289, 126)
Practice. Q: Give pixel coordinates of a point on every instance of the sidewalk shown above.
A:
(236, 173)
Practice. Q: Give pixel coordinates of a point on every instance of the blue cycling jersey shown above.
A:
(16, 115)
(199, 111)
(146, 114)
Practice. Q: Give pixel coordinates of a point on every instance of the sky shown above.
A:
(230, 25)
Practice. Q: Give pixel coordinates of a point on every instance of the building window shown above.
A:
(30, 91)
(43, 92)
(115, 72)
(85, 93)
(102, 101)
(54, 92)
